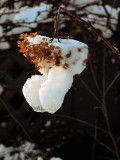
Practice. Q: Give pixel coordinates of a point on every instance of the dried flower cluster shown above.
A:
(41, 52)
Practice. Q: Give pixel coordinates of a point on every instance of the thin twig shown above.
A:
(56, 23)
(118, 139)
(88, 25)
(105, 112)
(56, 27)
(94, 77)
(111, 84)
(91, 92)
(112, 8)
(108, 16)
(21, 126)
(13, 117)
(102, 144)
(108, 158)
(94, 142)
(82, 121)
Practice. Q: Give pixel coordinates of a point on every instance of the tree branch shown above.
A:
(88, 25)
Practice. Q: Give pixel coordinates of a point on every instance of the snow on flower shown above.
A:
(58, 60)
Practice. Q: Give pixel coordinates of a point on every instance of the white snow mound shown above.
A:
(45, 93)
(30, 91)
(53, 90)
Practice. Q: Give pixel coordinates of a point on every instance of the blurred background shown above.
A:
(72, 132)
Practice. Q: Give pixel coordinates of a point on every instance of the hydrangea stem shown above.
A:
(88, 25)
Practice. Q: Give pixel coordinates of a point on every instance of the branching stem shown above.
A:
(88, 25)
(105, 112)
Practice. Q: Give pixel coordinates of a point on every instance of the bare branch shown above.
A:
(105, 112)
(111, 84)
(82, 121)
(108, 158)
(94, 143)
(102, 144)
(21, 126)
(88, 25)
(94, 77)
(91, 92)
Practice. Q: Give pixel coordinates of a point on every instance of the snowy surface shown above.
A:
(25, 17)
(82, 2)
(18, 30)
(22, 152)
(45, 93)
(25, 13)
(27, 151)
(4, 45)
(24, 21)
(97, 15)
(55, 158)
(100, 22)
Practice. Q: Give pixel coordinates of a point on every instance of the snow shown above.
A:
(53, 90)
(27, 147)
(27, 17)
(73, 53)
(1, 31)
(21, 152)
(48, 123)
(18, 30)
(3, 124)
(1, 89)
(55, 158)
(96, 14)
(113, 61)
(39, 158)
(26, 151)
(81, 2)
(3, 1)
(2, 148)
(93, 13)
(48, 96)
(23, 17)
(5, 151)
(30, 91)
(45, 93)
(25, 13)
(4, 45)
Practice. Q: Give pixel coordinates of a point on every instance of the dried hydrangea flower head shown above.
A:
(58, 61)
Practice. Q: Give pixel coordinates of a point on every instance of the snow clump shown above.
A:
(58, 60)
